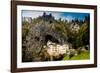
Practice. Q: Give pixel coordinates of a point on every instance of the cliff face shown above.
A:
(46, 28)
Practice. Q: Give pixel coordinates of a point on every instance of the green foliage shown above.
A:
(79, 38)
(82, 36)
(81, 56)
(25, 30)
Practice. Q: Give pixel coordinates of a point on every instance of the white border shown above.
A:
(53, 63)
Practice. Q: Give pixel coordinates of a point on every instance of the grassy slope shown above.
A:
(81, 56)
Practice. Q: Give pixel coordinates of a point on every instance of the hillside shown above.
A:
(37, 32)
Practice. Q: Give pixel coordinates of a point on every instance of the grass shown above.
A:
(81, 56)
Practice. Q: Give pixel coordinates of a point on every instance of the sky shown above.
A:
(63, 15)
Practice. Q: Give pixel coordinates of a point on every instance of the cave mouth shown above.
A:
(50, 38)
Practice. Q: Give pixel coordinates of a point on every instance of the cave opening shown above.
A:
(50, 38)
